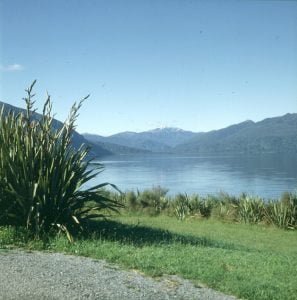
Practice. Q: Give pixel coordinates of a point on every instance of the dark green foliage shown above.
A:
(246, 209)
(42, 176)
(194, 204)
(206, 208)
(251, 210)
(131, 200)
(152, 201)
(181, 206)
(283, 213)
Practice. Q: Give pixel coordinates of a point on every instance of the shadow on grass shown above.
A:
(139, 235)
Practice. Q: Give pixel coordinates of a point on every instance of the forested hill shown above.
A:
(272, 135)
(78, 139)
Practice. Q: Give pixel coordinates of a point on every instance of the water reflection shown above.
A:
(267, 175)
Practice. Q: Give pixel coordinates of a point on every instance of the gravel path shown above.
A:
(40, 275)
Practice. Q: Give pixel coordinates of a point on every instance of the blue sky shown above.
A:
(196, 65)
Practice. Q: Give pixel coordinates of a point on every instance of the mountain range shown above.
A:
(272, 135)
(157, 140)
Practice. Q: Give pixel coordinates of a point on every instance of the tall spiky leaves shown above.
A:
(42, 175)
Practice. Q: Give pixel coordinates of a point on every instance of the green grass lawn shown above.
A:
(250, 262)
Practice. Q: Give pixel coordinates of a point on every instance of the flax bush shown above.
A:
(42, 176)
(251, 209)
(181, 206)
(152, 201)
(283, 213)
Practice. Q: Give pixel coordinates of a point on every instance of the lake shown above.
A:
(267, 176)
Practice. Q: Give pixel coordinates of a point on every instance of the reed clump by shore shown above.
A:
(247, 209)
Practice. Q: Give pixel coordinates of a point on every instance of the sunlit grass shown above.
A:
(249, 261)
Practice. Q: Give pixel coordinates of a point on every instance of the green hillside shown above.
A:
(78, 139)
(272, 135)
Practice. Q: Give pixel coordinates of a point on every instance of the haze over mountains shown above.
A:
(157, 140)
(272, 135)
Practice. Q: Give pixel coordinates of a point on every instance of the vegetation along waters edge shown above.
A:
(238, 245)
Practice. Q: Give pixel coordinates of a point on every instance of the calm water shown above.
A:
(267, 176)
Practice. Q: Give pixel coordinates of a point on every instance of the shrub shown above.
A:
(181, 206)
(225, 207)
(42, 176)
(194, 204)
(251, 210)
(153, 201)
(131, 200)
(283, 213)
(206, 207)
